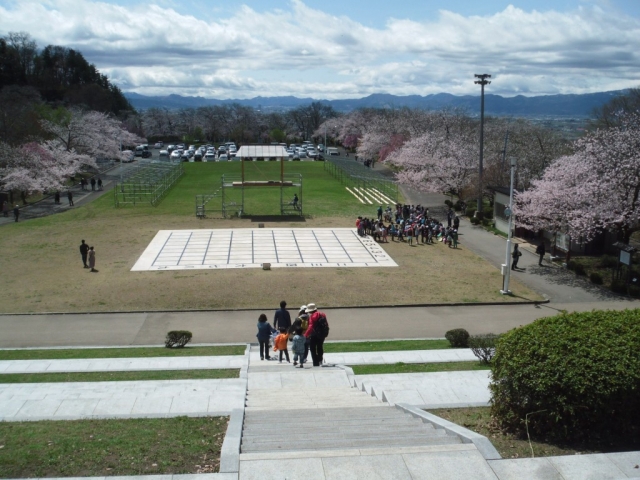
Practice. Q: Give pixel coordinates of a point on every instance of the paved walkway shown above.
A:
(430, 390)
(376, 323)
(377, 358)
(122, 364)
(81, 400)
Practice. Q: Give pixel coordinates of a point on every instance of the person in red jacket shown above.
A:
(316, 341)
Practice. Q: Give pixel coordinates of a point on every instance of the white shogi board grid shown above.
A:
(251, 247)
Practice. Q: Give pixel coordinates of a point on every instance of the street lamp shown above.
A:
(482, 82)
(506, 266)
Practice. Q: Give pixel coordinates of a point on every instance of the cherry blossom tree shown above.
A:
(75, 139)
(88, 134)
(596, 189)
(441, 160)
(35, 167)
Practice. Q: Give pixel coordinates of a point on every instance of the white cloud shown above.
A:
(301, 51)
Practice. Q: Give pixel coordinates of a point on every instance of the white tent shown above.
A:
(262, 152)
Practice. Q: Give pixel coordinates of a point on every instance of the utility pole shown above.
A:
(482, 81)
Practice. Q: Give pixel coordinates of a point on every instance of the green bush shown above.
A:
(448, 203)
(458, 338)
(608, 261)
(470, 212)
(579, 372)
(487, 222)
(483, 346)
(634, 291)
(571, 265)
(579, 269)
(619, 286)
(487, 212)
(177, 338)
(596, 278)
(474, 220)
(458, 205)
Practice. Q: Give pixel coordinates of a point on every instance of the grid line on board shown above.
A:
(250, 248)
(360, 240)
(342, 245)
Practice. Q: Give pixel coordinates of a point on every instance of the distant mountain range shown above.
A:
(546, 105)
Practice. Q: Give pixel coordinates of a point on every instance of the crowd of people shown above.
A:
(411, 224)
(307, 334)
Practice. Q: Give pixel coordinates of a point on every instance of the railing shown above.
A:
(203, 200)
(355, 174)
(147, 183)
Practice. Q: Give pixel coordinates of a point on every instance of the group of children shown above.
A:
(411, 222)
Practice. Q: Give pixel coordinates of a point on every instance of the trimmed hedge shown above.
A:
(596, 278)
(580, 372)
(177, 338)
(458, 338)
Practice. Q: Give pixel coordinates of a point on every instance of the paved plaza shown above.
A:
(251, 247)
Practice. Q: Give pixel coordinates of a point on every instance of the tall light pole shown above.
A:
(482, 82)
(506, 267)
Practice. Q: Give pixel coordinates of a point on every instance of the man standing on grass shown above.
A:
(16, 212)
(70, 197)
(84, 251)
(282, 318)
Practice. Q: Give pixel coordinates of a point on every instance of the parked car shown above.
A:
(127, 156)
(175, 155)
(163, 153)
(311, 153)
(159, 145)
(223, 157)
(185, 156)
(139, 150)
(210, 156)
(332, 151)
(146, 154)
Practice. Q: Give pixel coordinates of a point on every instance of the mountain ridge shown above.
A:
(580, 105)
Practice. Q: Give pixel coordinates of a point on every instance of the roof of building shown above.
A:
(262, 151)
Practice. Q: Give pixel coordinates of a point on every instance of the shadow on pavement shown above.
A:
(561, 276)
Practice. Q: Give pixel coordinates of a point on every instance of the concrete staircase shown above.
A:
(316, 410)
(337, 428)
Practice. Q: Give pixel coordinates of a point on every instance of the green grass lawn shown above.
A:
(87, 448)
(118, 376)
(68, 353)
(322, 195)
(386, 346)
(401, 367)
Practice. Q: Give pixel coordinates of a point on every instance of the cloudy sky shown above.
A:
(343, 48)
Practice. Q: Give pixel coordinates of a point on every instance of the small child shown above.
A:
(298, 347)
(280, 344)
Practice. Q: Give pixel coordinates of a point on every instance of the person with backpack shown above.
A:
(317, 332)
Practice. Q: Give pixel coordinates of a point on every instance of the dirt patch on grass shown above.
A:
(42, 271)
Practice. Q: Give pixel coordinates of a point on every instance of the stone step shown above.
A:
(387, 430)
(371, 434)
(353, 414)
(328, 422)
(285, 445)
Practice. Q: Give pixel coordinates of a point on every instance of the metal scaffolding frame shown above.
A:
(147, 183)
